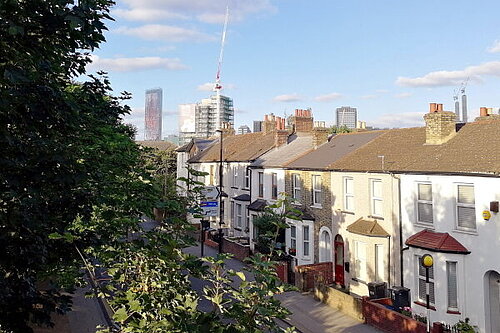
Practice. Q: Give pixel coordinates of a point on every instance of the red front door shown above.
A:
(339, 260)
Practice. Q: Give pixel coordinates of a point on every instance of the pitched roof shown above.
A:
(472, 150)
(437, 242)
(201, 144)
(242, 197)
(331, 151)
(160, 145)
(237, 148)
(367, 228)
(278, 157)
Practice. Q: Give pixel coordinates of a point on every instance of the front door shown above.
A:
(493, 287)
(339, 260)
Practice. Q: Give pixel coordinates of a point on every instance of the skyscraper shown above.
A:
(347, 116)
(187, 122)
(257, 126)
(208, 119)
(153, 113)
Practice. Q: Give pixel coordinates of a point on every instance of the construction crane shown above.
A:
(218, 86)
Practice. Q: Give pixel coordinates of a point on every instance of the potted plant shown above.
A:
(292, 251)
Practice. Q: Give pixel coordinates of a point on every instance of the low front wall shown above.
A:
(341, 301)
(377, 315)
(239, 251)
(308, 275)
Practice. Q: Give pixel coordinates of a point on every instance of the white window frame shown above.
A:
(306, 241)
(419, 202)
(360, 271)
(451, 306)
(348, 196)
(379, 262)
(293, 238)
(296, 187)
(260, 178)
(235, 176)
(420, 276)
(374, 198)
(239, 216)
(274, 185)
(247, 177)
(465, 205)
(317, 199)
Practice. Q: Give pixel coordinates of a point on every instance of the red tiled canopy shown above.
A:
(436, 241)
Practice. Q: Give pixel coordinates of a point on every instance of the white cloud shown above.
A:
(287, 98)
(201, 10)
(495, 48)
(328, 97)
(452, 78)
(165, 33)
(391, 120)
(209, 86)
(369, 96)
(382, 91)
(135, 64)
(403, 95)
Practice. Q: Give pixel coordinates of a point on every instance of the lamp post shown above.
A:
(427, 262)
(221, 210)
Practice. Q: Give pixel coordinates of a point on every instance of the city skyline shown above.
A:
(280, 56)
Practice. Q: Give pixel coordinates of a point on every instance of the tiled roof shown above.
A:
(329, 152)
(160, 145)
(472, 150)
(237, 148)
(437, 242)
(201, 144)
(367, 228)
(278, 157)
(258, 205)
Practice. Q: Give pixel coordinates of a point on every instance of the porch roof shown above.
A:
(437, 242)
(369, 228)
(258, 205)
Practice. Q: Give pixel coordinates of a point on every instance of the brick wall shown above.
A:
(323, 215)
(239, 251)
(386, 320)
(307, 276)
(340, 301)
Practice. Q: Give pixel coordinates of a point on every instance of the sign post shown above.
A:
(205, 224)
(427, 262)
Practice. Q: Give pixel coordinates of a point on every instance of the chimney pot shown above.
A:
(483, 112)
(432, 107)
(440, 107)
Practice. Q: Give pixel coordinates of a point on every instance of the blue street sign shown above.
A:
(209, 204)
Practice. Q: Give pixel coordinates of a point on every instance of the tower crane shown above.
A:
(218, 86)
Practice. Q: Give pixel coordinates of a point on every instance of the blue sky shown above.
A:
(388, 58)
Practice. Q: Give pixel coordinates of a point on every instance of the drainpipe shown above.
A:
(400, 225)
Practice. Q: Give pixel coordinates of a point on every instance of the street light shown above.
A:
(427, 262)
(221, 210)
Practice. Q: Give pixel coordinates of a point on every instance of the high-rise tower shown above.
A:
(153, 114)
(347, 116)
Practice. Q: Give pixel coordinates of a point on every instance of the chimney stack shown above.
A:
(302, 120)
(320, 136)
(439, 125)
(227, 129)
(486, 114)
(269, 123)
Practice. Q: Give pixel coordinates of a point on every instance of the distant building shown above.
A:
(208, 119)
(257, 126)
(319, 123)
(244, 129)
(172, 138)
(153, 114)
(347, 116)
(187, 123)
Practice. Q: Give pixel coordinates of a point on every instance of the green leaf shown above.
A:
(120, 315)
(241, 276)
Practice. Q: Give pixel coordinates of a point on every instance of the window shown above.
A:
(424, 203)
(421, 282)
(239, 219)
(296, 185)
(247, 178)
(212, 174)
(261, 184)
(293, 237)
(305, 237)
(360, 260)
(349, 194)
(451, 275)
(316, 190)
(466, 210)
(235, 177)
(379, 262)
(376, 197)
(274, 183)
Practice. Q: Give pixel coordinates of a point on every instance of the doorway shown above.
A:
(492, 301)
(339, 260)
(325, 245)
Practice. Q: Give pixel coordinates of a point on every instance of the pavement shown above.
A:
(308, 314)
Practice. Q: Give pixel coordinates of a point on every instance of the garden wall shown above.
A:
(339, 300)
(307, 275)
(239, 251)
